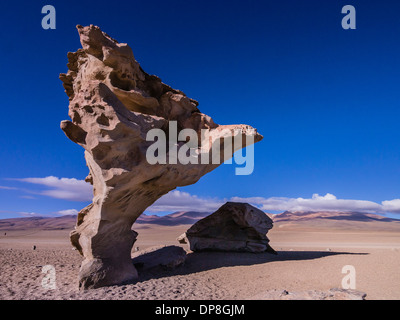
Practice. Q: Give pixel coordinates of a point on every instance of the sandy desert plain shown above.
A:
(312, 250)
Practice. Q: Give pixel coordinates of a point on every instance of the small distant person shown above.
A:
(34, 248)
(5, 233)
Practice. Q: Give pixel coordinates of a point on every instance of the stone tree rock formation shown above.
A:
(236, 227)
(113, 104)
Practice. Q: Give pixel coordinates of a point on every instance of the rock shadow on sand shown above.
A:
(209, 260)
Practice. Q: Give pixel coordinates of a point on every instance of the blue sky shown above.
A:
(325, 99)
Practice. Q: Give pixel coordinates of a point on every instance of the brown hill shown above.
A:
(335, 220)
(38, 223)
(332, 215)
(173, 219)
(68, 222)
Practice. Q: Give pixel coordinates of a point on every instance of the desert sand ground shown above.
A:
(308, 259)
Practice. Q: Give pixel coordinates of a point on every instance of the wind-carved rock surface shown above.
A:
(234, 227)
(113, 104)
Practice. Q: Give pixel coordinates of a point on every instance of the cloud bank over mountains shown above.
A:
(72, 189)
(182, 201)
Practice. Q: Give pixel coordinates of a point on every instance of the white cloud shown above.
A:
(328, 196)
(30, 214)
(27, 214)
(7, 188)
(392, 206)
(316, 203)
(79, 190)
(63, 188)
(68, 212)
(27, 197)
(183, 201)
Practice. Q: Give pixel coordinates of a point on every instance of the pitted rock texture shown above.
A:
(113, 104)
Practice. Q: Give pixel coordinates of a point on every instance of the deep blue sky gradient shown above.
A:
(325, 99)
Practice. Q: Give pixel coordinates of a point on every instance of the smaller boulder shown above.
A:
(237, 227)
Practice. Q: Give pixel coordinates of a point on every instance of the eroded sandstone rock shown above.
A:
(236, 227)
(113, 105)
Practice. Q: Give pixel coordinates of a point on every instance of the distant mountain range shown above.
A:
(322, 219)
(331, 215)
(328, 220)
(42, 223)
(173, 219)
(68, 221)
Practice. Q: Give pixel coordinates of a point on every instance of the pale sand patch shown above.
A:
(304, 263)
